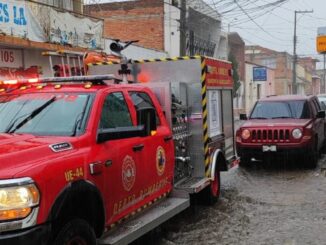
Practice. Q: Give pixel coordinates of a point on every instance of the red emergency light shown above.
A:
(98, 79)
(21, 81)
(10, 82)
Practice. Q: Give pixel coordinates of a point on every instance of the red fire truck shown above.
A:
(81, 156)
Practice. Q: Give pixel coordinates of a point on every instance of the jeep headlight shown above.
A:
(245, 134)
(296, 133)
(17, 198)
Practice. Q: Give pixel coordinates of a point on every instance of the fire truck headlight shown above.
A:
(297, 133)
(17, 199)
(245, 134)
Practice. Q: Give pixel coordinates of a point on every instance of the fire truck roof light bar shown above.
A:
(76, 79)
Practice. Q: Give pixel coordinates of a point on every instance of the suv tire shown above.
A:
(244, 161)
(311, 160)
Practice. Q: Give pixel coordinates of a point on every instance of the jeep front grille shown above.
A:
(270, 134)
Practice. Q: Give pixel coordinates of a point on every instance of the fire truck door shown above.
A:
(157, 156)
(121, 157)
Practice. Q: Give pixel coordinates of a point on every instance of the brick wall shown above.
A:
(141, 20)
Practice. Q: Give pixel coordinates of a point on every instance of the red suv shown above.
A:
(282, 125)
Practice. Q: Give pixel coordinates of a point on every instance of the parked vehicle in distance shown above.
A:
(322, 101)
(285, 125)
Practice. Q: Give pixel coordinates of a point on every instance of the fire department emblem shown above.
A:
(160, 160)
(128, 173)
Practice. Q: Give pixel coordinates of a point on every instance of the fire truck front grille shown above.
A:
(274, 135)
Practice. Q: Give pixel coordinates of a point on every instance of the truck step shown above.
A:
(146, 221)
(193, 184)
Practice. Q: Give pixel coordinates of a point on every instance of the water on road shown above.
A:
(278, 203)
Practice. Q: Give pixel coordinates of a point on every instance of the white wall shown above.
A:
(171, 30)
(136, 52)
(222, 49)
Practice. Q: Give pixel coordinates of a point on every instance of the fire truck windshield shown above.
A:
(43, 114)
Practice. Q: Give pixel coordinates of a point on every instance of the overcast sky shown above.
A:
(274, 28)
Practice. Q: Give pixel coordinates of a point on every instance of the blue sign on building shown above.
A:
(260, 74)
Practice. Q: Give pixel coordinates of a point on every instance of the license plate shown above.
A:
(269, 148)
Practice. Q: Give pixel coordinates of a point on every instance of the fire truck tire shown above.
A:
(212, 192)
(76, 232)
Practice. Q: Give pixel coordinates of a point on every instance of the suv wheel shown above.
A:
(311, 159)
(244, 161)
(323, 149)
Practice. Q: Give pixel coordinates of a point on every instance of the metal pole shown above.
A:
(183, 29)
(324, 76)
(294, 70)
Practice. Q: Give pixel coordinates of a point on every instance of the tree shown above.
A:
(235, 74)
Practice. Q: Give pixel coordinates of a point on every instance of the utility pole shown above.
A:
(183, 28)
(324, 75)
(294, 68)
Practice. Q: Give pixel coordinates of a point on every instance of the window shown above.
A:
(142, 100)
(281, 109)
(43, 114)
(115, 112)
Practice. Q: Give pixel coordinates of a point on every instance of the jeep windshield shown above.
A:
(280, 109)
(43, 114)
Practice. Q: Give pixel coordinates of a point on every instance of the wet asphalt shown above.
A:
(279, 202)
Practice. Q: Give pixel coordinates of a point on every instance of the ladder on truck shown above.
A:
(68, 59)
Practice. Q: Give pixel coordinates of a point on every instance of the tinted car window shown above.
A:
(280, 109)
(142, 100)
(115, 112)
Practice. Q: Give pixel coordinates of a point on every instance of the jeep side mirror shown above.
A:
(321, 114)
(147, 117)
(243, 117)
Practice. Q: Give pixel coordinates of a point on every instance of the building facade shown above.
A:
(176, 27)
(30, 27)
(282, 62)
(258, 88)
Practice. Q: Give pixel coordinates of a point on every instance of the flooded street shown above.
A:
(276, 204)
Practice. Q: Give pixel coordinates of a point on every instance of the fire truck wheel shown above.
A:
(212, 192)
(76, 232)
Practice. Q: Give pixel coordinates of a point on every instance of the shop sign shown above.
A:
(321, 44)
(11, 58)
(259, 74)
(36, 22)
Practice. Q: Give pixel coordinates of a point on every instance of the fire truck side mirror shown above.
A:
(119, 133)
(243, 117)
(147, 117)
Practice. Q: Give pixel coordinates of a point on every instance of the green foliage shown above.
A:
(235, 75)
